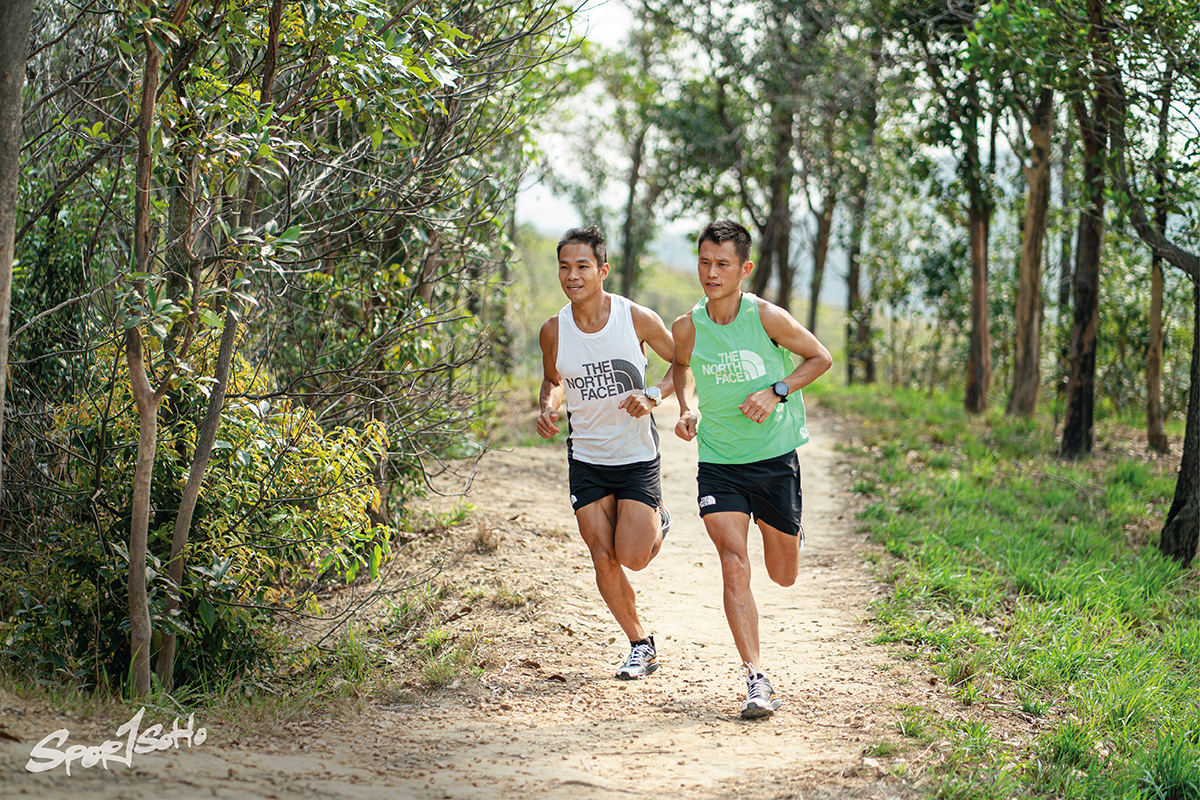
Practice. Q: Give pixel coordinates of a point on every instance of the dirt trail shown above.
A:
(549, 720)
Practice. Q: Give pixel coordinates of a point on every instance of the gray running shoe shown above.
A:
(761, 700)
(641, 662)
(665, 516)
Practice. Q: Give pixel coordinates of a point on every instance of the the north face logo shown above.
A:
(736, 366)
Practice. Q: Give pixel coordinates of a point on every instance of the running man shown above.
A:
(593, 356)
(734, 351)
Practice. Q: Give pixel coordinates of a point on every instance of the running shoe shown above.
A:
(641, 662)
(665, 516)
(761, 700)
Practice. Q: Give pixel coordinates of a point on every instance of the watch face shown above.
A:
(781, 389)
(653, 392)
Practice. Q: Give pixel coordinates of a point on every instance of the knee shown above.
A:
(785, 580)
(605, 560)
(783, 575)
(636, 564)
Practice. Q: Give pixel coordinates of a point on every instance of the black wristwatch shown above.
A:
(654, 393)
(781, 391)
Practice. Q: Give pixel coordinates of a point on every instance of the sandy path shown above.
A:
(549, 721)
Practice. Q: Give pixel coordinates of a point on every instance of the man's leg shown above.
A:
(638, 536)
(729, 531)
(781, 553)
(598, 524)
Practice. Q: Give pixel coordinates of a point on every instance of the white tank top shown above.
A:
(599, 370)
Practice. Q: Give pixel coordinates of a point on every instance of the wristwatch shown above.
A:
(654, 393)
(781, 391)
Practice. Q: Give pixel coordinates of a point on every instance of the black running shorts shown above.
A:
(767, 490)
(639, 481)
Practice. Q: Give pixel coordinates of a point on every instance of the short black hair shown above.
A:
(591, 235)
(726, 230)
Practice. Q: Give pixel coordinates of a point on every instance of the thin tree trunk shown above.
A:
(1077, 436)
(1156, 432)
(1027, 355)
(821, 253)
(629, 243)
(145, 397)
(15, 17)
(1065, 261)
(979, 359)
(1181, 531)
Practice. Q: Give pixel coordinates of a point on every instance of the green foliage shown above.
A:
(1014, 572)
(283, 507)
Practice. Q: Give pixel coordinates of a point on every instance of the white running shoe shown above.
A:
(761, 700)
(641, 662)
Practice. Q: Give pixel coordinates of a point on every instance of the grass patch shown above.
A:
(1014, 573)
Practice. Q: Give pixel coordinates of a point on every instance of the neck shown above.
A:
(724, 310)
(592, 312)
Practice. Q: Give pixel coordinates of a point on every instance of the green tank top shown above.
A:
(729, 362)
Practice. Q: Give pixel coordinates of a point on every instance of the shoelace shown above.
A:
(758, 689)
(640, 655)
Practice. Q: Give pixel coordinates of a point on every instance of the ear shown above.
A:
(746, 267)
(604, 268)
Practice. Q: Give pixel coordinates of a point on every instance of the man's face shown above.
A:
(578, 272)
(721, 271)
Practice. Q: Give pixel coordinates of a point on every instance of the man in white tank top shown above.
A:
(593, 357)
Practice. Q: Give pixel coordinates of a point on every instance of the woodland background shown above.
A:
(263, 277)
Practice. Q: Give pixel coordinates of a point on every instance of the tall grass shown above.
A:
(1016, 574)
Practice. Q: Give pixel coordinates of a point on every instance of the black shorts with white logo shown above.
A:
(767, 490)
(641, 481)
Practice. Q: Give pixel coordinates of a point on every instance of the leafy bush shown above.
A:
(283, 507)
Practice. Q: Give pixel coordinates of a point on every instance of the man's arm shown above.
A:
(786, 332)
(651, 330)
(683, 331)
(551, 395)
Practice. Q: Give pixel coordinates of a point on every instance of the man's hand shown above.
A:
(685, 428)
(545, 424)
(759, 405)
(638, 405)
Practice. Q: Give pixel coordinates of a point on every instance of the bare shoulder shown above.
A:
(643, 316)
(549, 332)
(683, 325)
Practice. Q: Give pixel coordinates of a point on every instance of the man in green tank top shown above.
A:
(733, 351)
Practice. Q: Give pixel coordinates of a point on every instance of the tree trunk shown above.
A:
(629, 243)
(1181, 531)
(15, 17)
(775, 236)
(820, 253)
(1027, 355)
(1156, 432)
(1081, 381)
(1064, 240)
(1077, 436)
(146, 399)
(979, 359)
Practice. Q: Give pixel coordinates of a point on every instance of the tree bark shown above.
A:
(1077, 437)
(775, 236)
(1181, 531)
(629, 243)
(146, 399)
(1027, 352)
(15, 17)
(1156, 432)
(979, 359)
(821, 252)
